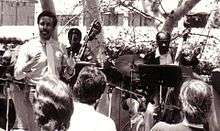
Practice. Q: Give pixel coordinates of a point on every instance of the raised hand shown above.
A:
(71, 61)
(69, 70)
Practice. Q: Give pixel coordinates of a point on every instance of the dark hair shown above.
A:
(49, 14)
(196, 97)
(163, 36)
(56, 105)
(76, 31)
(90, 85)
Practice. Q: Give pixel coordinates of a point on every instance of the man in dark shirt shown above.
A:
(73, 52)
(74, 37)
(165, 55)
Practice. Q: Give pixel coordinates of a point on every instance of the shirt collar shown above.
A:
(157, 53)
(43, 42)
(84, 106)
(186, 123)
(52, 42)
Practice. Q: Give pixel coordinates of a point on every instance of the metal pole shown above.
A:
(2, 12)
(7, 109)
(16, 13)
(110, 104)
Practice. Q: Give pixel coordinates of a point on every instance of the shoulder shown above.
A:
(151, 54)
(31, 43)
(160, 126)
(105, 119)
(59, 46)
(106, 122)
(95, 121)
(150, 58)
(27, 45)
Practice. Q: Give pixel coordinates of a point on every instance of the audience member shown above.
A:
(88, 89)
(53, 104)
(196, 98)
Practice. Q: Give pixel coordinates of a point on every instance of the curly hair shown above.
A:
(196, 97)
(75, 31)
(90, 85)
(49, 14)
(53, 104)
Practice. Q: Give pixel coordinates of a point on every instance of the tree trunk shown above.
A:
(175, 16)
(144, 6)
(92, 12)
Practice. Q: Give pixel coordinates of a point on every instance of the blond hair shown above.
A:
(196, 98)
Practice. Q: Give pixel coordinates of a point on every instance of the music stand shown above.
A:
(165, 75)
(160, 75)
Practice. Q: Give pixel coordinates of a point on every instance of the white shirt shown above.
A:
(30, 50)
(85, 118)
(165, 59)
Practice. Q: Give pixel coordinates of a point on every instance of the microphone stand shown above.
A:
(7, 87)
(110, 100)
(124, 90)
(7, 94)
(131, 73)
(111, 87)
(8, 80)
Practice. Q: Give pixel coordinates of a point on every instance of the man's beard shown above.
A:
(45, 34)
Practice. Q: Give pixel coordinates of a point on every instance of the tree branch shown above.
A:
(177, 14)
(132, 8)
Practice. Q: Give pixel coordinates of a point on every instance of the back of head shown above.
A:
(196, 97)
(49, 14)
(89, 85)
(53, 104)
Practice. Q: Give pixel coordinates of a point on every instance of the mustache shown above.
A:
(44, 31)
